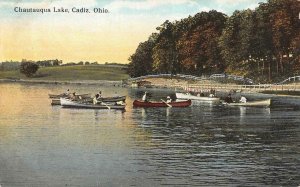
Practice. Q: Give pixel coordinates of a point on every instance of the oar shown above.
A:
(106, 105)
(166, 103)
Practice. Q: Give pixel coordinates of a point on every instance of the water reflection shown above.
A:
(251, 113)
(201, 145)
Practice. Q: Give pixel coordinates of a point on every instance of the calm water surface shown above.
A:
(202, 145)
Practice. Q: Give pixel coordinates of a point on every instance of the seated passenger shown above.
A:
(243, 99)
(99, 94)
(169, 100)
(228, 99)
(73, 96)
(144, 98)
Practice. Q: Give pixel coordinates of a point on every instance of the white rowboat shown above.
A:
(262, 103)
(199, 98)
(67, 103)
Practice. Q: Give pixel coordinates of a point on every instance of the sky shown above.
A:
(101, 37)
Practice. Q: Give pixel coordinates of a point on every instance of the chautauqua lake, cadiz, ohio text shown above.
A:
(61, 10)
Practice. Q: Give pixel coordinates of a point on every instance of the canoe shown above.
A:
(199, 98)
(67, 103)
(137, 103)
(262, 103)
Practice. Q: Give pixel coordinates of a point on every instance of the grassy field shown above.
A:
(78, 72)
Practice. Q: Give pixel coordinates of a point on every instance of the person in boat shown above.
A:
(120, 103)
(212, 93)
(95, 99)
(67, 92)
(73, 96)
(228, 99)
(243, 99)
(99, 94)
(201, 94)
(169, 100)
(144, 98)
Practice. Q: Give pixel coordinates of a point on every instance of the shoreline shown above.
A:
(79, 82)
(181, 85)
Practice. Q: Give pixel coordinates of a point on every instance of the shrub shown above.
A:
(28, 68)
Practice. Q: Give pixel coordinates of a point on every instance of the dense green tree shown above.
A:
(262, 44)
(198, 48)
(237, 42)
(140, 63)
(164, 52)
(28, 68)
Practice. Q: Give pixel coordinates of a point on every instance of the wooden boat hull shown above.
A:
(55, 102)
(67, 103)
(198, 98)
(138, 103)
(262, 103)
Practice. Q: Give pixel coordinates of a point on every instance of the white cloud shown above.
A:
(144, 5)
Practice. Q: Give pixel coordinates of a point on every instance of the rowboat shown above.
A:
(199, 98)
(262, 103)
(186, 103)
(112, 99)
(57, 96)
(87, 98)
(67, 103)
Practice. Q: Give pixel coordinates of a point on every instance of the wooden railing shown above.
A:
(249, 88)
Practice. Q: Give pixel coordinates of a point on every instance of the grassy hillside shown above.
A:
(89, 72)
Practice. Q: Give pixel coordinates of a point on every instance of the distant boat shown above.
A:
(67, 103)
(199, 98)
(262, 103)
(185, 103)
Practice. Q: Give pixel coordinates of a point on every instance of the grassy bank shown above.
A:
(78, 72)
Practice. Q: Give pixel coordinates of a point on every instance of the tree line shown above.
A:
(262, 44)
(15, 65)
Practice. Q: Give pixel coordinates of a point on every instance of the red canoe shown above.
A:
(137, 103)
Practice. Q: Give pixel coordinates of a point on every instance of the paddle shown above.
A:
(166, 103)
(106, 105)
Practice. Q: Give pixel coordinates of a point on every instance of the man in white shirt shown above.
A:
(243, 99)
(144, 98)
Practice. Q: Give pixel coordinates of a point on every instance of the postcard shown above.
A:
(149, 93)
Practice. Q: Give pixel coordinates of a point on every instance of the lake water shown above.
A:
(202, 145)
